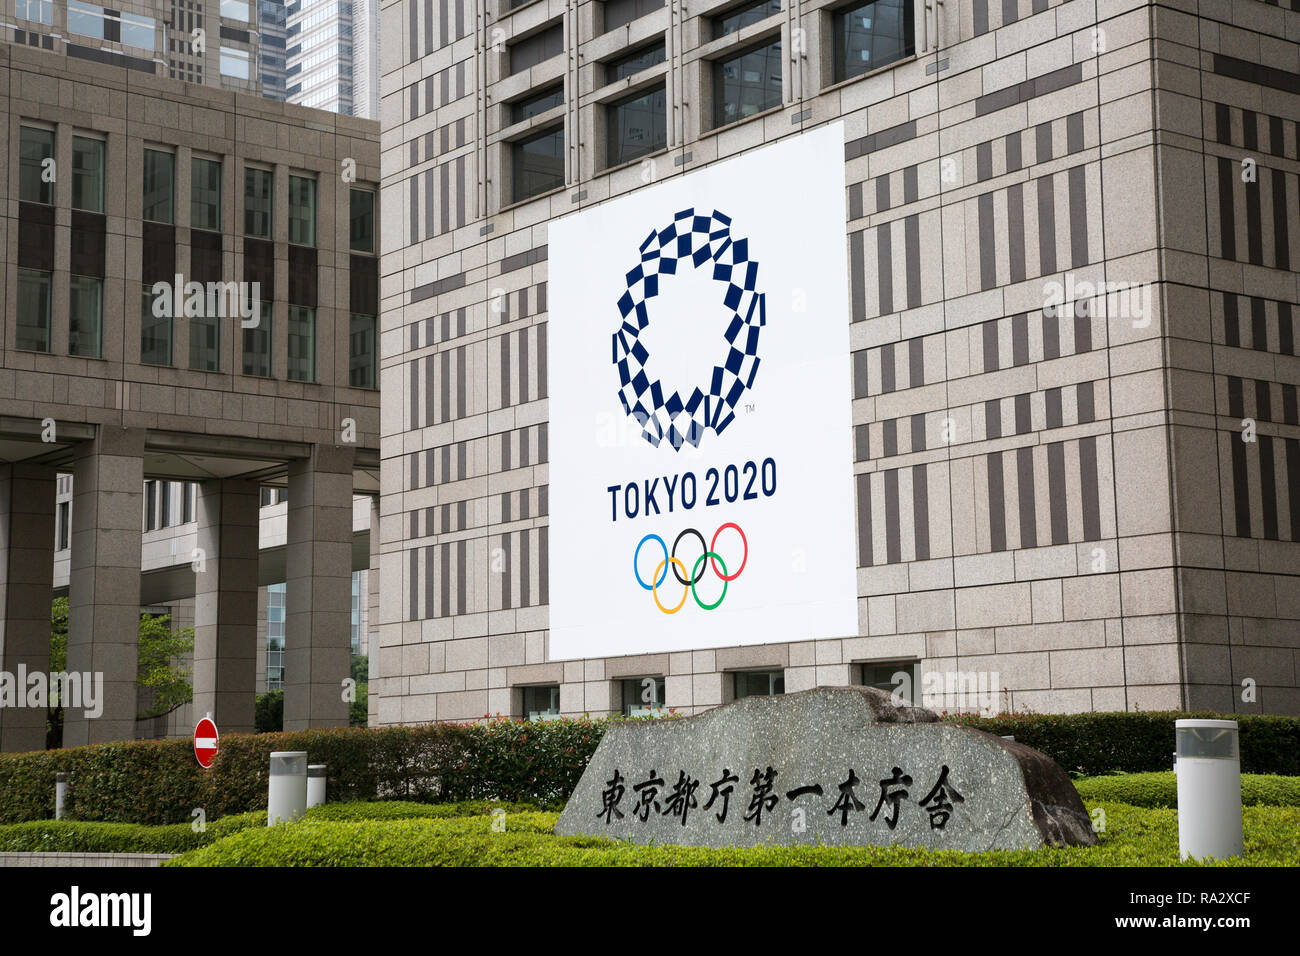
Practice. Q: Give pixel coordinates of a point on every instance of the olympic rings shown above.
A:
(655, 590)
(709, 556)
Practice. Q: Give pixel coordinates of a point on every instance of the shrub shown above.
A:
(405, 810)
(268, 712)
(1092, 744)
(1133, 836)
(75, 836)
(1161, 789)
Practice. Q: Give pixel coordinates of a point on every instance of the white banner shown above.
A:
(700, 402)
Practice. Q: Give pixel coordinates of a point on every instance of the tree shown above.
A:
(358, 710)
(160, 666)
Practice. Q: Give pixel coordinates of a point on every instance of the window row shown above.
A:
(98, 23)
(157, 332)
(37, 179)
(740, 82)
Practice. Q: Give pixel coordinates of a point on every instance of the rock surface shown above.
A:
(833, 766)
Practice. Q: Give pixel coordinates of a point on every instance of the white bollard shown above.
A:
(286, 796)
(1208, 765)
(315, 785)
(60, 793)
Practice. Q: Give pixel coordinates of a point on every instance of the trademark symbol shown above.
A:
(748, 408)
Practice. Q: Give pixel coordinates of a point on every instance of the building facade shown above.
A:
(255, 368)
(1094, 499)
(333, 55)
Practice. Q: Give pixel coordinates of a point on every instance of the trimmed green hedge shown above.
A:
(73, 836)
(405, 810)
(1161, 789)
(1133, 837)
(159, 782)
(1093, 744)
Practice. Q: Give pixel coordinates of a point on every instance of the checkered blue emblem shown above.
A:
(704, 241)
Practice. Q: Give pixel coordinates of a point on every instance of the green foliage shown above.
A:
(1161, 789)
(73, 836)
(1133, 837)
(161, 668)
(268, 712)
(159, 781)
(357, 810)
(1092, 744)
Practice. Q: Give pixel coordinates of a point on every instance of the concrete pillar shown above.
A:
(318, 589)
(225, 604)
(27, 494)
(372, 618)
(104, 582)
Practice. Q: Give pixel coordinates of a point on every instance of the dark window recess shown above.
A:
(538, 163)
(537, 48)
(205, 256)
(230, 33)
(87, 244)
(538, 103)
(633, 63)
(622, 12)
(302, 276)
(158, 255)
(112, 28)
(637, 126)
(259, 266)
(868, 36)
(363, 285)
(746, 84)
(36, 236)
(740, 17)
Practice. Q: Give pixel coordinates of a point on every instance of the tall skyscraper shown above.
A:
(332, 56)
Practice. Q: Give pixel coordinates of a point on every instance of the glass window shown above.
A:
(85, 316)
(155, 329)
(34, 298)
(187, 502)
(636, 126)
(538, 163)
(542, 702)
(536, 49)
(159, 185)
(36, 165)
(901, 677)
(621, 12)
(759, 683)
(302, 211)
(235, 10)
(38, 11)
(150, 505)
(138, 31)
(64, 532)
(234, 63)
(633, 63)
(741, 17)
(643, 696)
(302, 344)
(165, 504)
(361, 226)
(274, 636)
(361, 351)
(205, 342)
(87, 174)
(257, 202)
(746, 84)
(871, 35)
(537, 104)
(257, 343)
(85, 19)
(205, 194)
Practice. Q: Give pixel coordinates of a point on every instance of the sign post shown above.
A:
(205, 742)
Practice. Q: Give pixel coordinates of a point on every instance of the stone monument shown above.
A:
(837, 766)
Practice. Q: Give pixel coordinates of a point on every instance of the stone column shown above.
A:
(104, 583)
(318, 589)
(27, 495)
(372, 617)
(225, 604)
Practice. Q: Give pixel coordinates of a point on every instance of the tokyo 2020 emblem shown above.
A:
(705, 241)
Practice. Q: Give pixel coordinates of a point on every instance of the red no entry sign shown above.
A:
(205, 742)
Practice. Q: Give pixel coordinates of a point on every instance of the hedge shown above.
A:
(357, 811)
(1092, 744)
(1161, 789)
(159, 782)
(1133, 836)
(75, 836)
